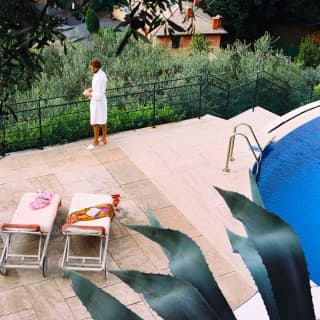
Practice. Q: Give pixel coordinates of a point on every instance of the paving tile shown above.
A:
(235, 288)
(69, 176)
(29, 172)
(97, 278)
(10, 162)
(64, 286)
(80, 160)
(142, 310)
(82, 186)
(151, 163)
(117, 230)
(31, 159)
(29, 314)
(130, 213)
(48, 301)
(135, 145)
(14, 300)
(18, 277)
(124, 171)
(47, 182)
(15, 187)
(116, 189)
(124, 247)
(153, 251)
(171, 217)
(139, 262)
(78, 310)
(123, 293)
(146, 194)
(110, 155)
(99, 177)
(217, 263)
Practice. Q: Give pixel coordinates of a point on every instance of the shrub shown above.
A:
(309, 53)
(71, 123)
(198, 43)
(92, 21)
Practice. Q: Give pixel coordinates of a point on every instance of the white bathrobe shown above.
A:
(98, 102)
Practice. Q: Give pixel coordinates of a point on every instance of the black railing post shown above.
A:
(154, 106)
(254, 102)
(3, 129)
(312, 88)
(40, 123)
(200, 98)
(227, 111)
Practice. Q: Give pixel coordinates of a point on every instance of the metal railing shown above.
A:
(251, 146)
(54, 120)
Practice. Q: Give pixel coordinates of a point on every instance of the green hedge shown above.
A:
(74, 125)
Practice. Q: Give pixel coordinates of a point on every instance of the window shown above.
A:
(175, 41)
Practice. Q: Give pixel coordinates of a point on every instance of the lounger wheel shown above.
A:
(3, 271)
(45, 267)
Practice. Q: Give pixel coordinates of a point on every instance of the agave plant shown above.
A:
(272, 253)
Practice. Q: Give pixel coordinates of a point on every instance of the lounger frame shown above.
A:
(99, 228)
(11, 260)
(85, 263)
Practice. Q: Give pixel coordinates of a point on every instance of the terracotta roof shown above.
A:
(202, 21)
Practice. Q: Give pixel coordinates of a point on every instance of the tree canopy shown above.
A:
(26, 28)
(24, 31)
(248, 19)
(92, 21)
(309, 53)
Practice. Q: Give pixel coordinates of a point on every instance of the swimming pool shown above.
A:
(289, 184)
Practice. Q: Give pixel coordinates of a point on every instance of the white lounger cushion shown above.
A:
(86, 200)
(43, 217)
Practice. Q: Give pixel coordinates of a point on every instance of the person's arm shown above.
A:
(99, 86)
(87, 93)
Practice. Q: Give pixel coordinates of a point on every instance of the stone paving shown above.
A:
(164, 168)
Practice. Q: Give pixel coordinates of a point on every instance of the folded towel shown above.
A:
(91, 213)
(42, 199)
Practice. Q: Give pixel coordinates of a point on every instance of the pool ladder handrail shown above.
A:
(231, 146)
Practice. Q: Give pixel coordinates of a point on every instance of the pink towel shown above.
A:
(43, 199)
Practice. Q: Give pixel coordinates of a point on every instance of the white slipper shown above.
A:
(90, 147)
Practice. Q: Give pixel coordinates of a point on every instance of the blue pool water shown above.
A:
(289, 184)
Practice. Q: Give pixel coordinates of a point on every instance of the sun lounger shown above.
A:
(28, 222)
(95, 228)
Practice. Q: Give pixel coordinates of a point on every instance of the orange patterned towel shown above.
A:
(91, 213)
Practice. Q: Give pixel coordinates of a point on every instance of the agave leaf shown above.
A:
(187, 263)
(171, 298)
(257, 269)
(281, 253)
(101, 305)
(256, 196)
(153, 220)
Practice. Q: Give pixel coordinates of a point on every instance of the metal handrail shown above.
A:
(231, 145)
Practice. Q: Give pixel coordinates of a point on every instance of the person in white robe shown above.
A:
(98, 103)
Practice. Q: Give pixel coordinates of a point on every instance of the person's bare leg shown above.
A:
(104, 134)
(96, 134)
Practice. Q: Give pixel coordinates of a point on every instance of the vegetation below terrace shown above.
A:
(150, 85)
(140, 63)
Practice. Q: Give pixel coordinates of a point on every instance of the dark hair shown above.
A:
(96, 63)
